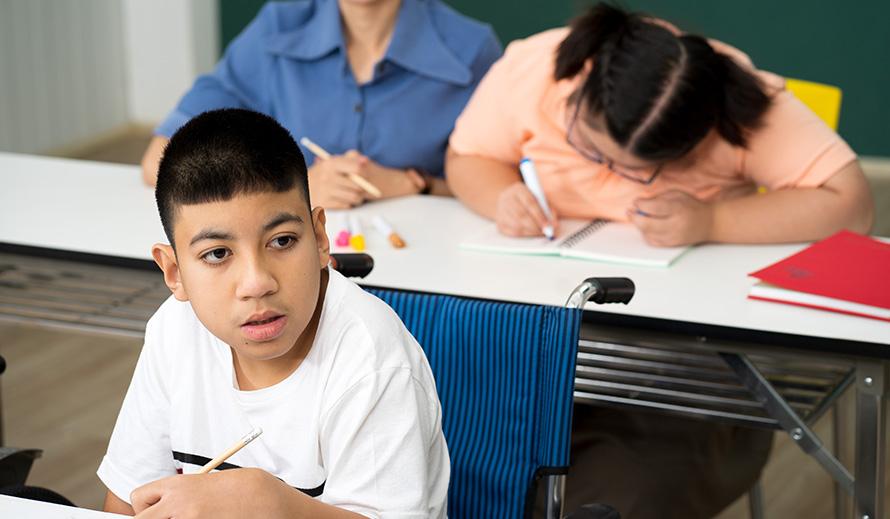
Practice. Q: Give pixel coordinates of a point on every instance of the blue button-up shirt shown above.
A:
(291, 64)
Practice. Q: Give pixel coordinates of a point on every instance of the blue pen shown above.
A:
(530, 177)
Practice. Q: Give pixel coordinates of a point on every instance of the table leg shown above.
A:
(778, 408)
(871, 410)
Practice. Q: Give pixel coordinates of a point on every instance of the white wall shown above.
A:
(61, 72)
(71, 71)
(168, 43)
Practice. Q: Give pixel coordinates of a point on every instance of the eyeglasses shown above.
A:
(588, 150)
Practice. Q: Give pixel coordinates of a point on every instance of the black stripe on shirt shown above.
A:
(194, 459)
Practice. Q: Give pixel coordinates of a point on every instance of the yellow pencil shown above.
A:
(217, 461)
(320, 152)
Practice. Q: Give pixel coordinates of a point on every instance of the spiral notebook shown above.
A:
(597, 240)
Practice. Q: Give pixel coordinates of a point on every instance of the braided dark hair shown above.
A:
(658, 93)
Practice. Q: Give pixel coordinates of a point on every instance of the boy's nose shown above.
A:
(255, 280)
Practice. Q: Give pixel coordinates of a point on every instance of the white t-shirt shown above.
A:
(358, 424)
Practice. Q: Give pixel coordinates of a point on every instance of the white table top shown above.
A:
(13, 507)
(77, 205)
(105, 209)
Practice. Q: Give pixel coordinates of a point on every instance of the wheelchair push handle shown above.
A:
(602, 291)
(352, 265)
(612, 290)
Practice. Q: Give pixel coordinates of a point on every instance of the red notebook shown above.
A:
(847, 273)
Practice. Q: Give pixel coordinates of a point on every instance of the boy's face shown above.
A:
(251, 268)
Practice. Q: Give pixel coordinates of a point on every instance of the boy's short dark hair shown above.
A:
(223, 153)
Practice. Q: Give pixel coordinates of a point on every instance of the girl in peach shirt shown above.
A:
(628, 119)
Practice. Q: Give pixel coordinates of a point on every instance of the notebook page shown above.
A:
(488, 239)
(617, 243)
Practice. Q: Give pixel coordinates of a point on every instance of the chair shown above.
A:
(15, 464)
(505, 375)
(823, 100)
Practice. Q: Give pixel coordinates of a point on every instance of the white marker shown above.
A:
(356, 237)
(530, 177)
(387, 231)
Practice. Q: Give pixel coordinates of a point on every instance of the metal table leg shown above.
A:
(841, 433)
(871, 408)
(779, 409)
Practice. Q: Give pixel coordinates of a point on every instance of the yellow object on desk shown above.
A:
(356, 236)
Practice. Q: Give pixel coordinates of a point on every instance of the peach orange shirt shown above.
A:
(519, 110)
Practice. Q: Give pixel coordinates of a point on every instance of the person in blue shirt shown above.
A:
(376, 83)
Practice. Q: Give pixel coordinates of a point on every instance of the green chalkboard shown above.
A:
(846, 44)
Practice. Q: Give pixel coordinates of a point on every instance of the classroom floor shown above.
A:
(85, 376)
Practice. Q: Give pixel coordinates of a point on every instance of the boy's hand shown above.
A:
(329, 185)
(228, 493)
(518, 212)
(672, 219)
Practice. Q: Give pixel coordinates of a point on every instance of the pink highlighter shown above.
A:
(342, 239)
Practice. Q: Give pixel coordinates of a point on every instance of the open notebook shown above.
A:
(597, 240)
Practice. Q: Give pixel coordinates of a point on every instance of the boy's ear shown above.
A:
(165, 257)
(321, 236)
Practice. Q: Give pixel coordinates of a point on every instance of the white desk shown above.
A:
(104, 210)
(13, 507)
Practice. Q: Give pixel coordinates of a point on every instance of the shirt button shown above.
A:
(358, 107)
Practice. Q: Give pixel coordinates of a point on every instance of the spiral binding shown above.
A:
(582, 233)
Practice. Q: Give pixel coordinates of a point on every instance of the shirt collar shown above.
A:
(417, 46)
(320, 36)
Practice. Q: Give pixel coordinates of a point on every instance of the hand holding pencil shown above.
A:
(337, 181)
(203, 494)
(217, 461)
(521, 207)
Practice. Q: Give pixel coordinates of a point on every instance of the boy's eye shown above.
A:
(282, 242)
(216, 255)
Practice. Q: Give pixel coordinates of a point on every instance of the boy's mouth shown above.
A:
(264, 327)
(262, 321)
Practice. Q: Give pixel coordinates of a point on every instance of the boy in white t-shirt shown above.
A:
(260, 333)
